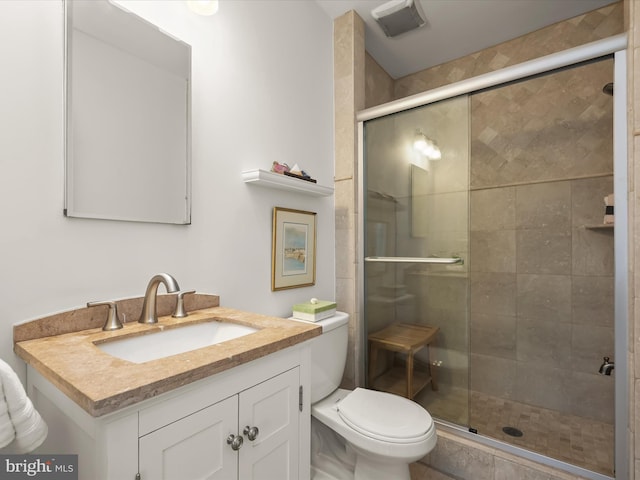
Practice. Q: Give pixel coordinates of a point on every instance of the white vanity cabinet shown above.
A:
(190, 433)
(205, 444)
(193, 447)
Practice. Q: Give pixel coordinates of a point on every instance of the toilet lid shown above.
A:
(385, 417)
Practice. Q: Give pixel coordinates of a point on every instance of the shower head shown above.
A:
(608, 89)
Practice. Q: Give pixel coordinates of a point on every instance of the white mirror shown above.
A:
(127, 117)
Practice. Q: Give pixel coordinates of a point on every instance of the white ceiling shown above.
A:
(456, 28)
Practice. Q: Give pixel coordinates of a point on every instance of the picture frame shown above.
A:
(293, 256)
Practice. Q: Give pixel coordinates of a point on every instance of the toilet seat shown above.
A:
(385, 417)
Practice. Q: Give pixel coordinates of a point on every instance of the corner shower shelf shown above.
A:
(604, 226)
(264, 178)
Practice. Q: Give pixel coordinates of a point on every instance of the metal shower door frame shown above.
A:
(615, 45)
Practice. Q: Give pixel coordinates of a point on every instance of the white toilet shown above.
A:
(360, 434)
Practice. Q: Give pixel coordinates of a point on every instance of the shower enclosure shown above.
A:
(484, 217)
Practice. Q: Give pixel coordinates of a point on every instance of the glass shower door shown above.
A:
(416, 303)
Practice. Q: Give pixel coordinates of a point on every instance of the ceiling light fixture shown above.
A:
(203, 7)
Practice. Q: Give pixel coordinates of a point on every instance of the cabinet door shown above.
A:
(272, 407)
(194, 447)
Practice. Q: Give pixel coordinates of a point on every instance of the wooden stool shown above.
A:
(404, 338)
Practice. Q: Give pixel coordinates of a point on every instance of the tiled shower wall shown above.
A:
(541, 280)
(591, 26)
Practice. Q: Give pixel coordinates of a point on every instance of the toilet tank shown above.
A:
(329, 355)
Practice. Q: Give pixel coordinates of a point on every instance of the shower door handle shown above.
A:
(433, 260)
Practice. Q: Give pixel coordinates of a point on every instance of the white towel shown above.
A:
(20, 423)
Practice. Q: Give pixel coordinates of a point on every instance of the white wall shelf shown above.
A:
(278, 181)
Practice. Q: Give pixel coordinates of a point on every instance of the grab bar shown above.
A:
(437, 260)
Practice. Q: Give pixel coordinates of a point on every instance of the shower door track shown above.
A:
(615, 45)
(565, 58)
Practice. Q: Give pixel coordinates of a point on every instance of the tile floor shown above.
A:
(569, 438)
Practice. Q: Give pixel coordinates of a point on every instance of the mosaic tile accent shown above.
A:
(569, 438)
(576, 440)
(589, 27)
(552, 127)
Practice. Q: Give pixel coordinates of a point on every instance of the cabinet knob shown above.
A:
(235, 441)
(251, 432)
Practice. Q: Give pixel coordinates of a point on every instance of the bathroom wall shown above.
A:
(349, 80)
(262, 92)
(379, 86)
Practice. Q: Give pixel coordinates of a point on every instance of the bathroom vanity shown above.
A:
(236, 409)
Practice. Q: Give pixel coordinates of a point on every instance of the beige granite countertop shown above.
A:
(101, 383)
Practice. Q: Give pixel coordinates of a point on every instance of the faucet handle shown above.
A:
(113, 322)
(180, 312)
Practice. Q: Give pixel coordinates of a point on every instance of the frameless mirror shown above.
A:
(127, 117)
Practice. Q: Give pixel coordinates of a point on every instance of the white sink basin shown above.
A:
(153, 346)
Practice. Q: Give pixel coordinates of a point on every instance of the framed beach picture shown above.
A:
(293, 258)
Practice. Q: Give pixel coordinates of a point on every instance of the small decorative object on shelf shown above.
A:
(279, 167)
(295, 171)
(301, 176)
(609, 217)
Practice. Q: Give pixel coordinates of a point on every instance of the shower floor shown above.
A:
(576, 440)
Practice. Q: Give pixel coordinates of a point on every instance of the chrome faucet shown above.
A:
(149, 313)
(113, 320)
(606, 367)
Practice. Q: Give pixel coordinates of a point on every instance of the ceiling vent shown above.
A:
(398, 16)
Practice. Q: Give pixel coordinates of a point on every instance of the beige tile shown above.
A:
(589, 345)
(592, 26)
(493, 335)
(542, 386)
(636, 389)
(493, 251)
(420, 471)
(493, 293)
(592, 252)
(544, 205)
(378, 83)
(636, 90)
(507, 470)
(563, 436)
(523, 149)
(593, 396)
(493, 376)
(442, 292)
(587, 200)
(493, 209)
(447, 212)
(592, 300)
(543, 251)
(545, 297)
(461, 460)
(453, 329)
(543, 343)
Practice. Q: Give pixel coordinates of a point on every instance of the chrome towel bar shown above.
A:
(436, 260)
